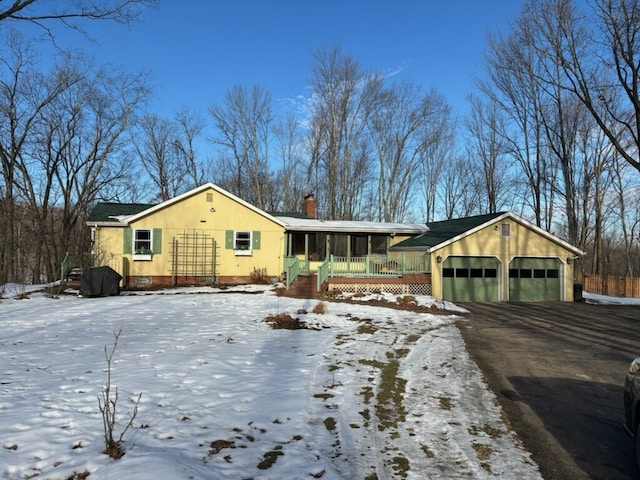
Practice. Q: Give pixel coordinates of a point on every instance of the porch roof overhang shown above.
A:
(292, 224)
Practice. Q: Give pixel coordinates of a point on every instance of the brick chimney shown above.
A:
(309, 205)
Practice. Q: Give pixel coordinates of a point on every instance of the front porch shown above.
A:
(393, 273)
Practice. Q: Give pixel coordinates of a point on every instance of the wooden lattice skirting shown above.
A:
(393, 288)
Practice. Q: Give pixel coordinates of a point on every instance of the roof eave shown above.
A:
(197, 190)
(337, 229)
(398, 248)
(103, 223)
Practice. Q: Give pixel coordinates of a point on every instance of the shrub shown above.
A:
(259, 276)
(320, 308)
(107, 404)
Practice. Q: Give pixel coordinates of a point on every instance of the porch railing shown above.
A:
(323, 273)
(377, 265)
(368, 266)
(294, 267)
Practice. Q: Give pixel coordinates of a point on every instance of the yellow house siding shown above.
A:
(206, 212)
(489, 241)
(107, 248)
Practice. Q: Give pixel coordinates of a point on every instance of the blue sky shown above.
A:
(197, 50)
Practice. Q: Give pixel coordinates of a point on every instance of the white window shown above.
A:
(142, 241)
(242, 243)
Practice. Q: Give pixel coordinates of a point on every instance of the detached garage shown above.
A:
(495, 257)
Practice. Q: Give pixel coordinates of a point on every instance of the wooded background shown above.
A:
(552, 134)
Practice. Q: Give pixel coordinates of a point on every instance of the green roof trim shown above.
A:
(440, 232)
(108, 212)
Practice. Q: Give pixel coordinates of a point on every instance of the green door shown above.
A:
(534, 279)
(470, 279)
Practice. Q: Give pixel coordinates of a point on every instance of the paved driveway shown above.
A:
(557, 369)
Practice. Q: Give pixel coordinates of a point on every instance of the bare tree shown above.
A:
(433, 162)
(402, 127)
(487, 148)
(24, 93)
(60, 141)
(290, 178)
(243, 126)
(190, 126)
(598, 57)
(574, 74)
(70, 14)
(95, 147)
(343, 97)
(30, 194)
(458, 192)
(158, 156)
(513, 86)
(626, 200)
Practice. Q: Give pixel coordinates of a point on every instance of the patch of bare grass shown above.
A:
(269, 458)
(483, 453)
(78, 475)
(407, 301)
(284, 321)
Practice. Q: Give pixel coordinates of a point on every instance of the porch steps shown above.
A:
(304, 287)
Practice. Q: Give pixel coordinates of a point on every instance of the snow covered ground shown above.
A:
(367, 393)
(603, 299)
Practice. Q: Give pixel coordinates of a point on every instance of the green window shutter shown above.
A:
(127, 235)
(255, 236)
(228, 239)
(157, 240)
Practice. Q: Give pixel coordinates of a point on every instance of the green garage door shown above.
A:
(534, 279)
(470, 279)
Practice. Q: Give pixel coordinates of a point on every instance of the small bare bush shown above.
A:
(107, 403)
(320, 308)
(259, 276)
(407, 301)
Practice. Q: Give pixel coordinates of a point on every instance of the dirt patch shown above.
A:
(284, 321)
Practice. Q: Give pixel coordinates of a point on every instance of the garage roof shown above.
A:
(448, 231)
(440, 232)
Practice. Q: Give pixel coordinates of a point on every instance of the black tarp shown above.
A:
(100, 281)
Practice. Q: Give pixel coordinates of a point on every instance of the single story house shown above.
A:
(210, 236)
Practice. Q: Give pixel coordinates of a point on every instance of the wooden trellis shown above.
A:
(194, 258)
